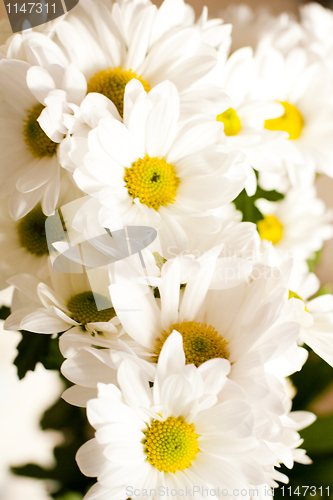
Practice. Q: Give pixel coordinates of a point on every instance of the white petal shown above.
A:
(75, 84)
(85, 369)
(42, 322)
(222, 417)
(116, 141)
(90, 458)
(169, 291)
(194, 138)
(117, 432)
(219, 472)
(137, 310)
(134, 384)
(79, 396)
(161, 126)
(197, 288)
(40, 82)
(226, 446)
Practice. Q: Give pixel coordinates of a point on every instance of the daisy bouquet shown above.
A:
(160, 227)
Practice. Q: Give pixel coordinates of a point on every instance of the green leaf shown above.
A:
(311, 381)
(318, 475)
(313, 263)
(318, 438)
(71, 421)
(268, 195)
(4, 312)
(246, 204)
(34, 348)
(71, 496)
(326, 289)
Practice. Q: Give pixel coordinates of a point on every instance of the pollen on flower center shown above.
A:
(39, 144)
(31, 232)
(112, 82)
(200, 342)
(291, 121)
(171, 445)
(84, 309)
(270, 228)
(232, 123)
(153, 181)
(294, 295)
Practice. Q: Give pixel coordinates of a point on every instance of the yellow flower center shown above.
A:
(31, 232)
(171, 445)
(270, 228)
(112, 82)
(39, 144)
(294, 295)
(153, 181)
(84, 309)
(232, 123)
(291, 121)
(200, 342)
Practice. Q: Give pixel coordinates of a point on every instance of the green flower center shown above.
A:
(200, 342)
(171, 445)
(291, 121)
(153, 181)
(84, 308)
(31, 232)
(270, 228)
(112, 82)
(39, 144)
(232, 123)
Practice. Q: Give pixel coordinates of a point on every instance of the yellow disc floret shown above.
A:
(84, 308)
(153, 181)
(112, 82)
(171, 445)
(39, 144)
(31, 232)
(201, 342)
(270, 228)
(291, 121)
(294, 295)
(232, 123)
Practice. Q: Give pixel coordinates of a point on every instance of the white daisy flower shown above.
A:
(299, 224)
(111, 46)
(24, 246)
(315, 315)
(213, 322)
(238, 238)
(69, 303)
(287, 450)
(209, 330)
(204, 441)
(318, 22)
(303, 88)
(244, 121)
(30, 171)
(256, 28)
(248, 25)
(230, 270)
(153, 170)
